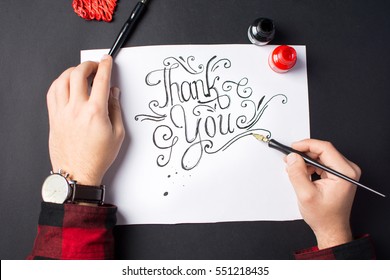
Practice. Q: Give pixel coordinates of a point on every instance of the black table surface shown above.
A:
(348, 59)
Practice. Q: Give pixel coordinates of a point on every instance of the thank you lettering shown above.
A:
(198, 112)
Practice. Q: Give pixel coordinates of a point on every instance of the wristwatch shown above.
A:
(58, 189)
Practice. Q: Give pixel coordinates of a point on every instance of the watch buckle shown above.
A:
(73, 185)
(103, 195)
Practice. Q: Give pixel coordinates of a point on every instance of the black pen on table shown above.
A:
(286, 150)
(129, 25)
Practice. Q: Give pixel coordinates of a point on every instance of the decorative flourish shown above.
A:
(184, 63)
(164, 135)
(241, 90)
(153, 105)
(226, 63)
(195, 110)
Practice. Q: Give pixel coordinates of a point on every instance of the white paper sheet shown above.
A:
(190, 110)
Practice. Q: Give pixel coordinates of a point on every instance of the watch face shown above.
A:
(55, 189)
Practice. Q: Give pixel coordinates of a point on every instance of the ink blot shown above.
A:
(166, 193)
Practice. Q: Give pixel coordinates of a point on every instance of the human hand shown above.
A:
(325, 204)
(86, 130)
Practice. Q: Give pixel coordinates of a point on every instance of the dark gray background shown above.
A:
(348, 45)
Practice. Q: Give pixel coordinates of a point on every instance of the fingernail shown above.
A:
(104, 57)
(291, 159)
(115, 92)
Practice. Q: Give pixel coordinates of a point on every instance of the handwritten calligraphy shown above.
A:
(201, 111)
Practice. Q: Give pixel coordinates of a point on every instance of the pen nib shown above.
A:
(261, 137)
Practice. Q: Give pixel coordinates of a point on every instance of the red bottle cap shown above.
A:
(282, 59)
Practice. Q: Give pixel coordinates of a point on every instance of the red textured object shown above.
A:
(282, 59)
(95, 9)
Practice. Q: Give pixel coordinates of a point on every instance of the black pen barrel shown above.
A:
(129, 25)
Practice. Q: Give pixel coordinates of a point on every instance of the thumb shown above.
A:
(299, 176)
(115, 111)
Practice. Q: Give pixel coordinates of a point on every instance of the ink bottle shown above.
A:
(261, 31)
(282, 59)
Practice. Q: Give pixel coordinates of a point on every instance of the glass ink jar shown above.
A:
(261, 31)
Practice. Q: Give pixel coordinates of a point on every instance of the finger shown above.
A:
(329, 156)
(58, 93)
(356, 168)
(310, 169)
(79, 81)
(101, 83)
(115, 113)
(299, 176)
(322, 150)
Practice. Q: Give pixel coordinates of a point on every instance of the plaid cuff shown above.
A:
(71, 231)
(358, 249)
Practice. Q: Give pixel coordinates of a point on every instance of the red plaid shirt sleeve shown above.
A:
(358, 249)
(70, 231)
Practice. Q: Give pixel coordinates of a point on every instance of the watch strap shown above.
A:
(88, 194)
